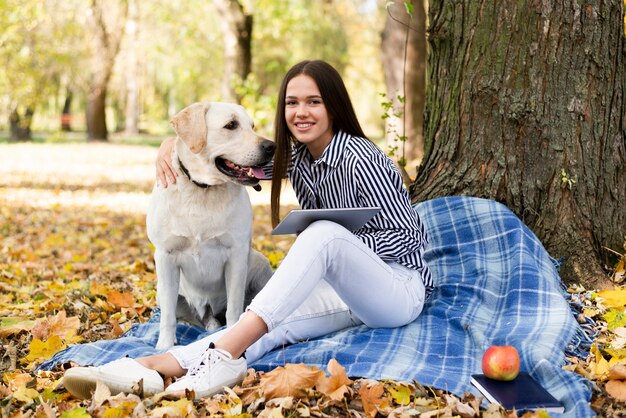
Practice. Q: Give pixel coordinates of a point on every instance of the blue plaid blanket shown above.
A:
(494, 284)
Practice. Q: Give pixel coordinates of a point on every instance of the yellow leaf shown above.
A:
(590, 313)
(599, 366)
(182, 407)
(125, 409)
(16, 379)
(613, 298)
(54, 240)
(616, 353)
(288, 380)
(76, 413)
(401, 394)
(24, 394)
(40, 350)
(104, 305)
(96, 288)
(232, 406)
(614, 318)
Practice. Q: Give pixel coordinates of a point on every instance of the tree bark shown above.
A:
(236, 28)
(524, 99)
(66, 114)
(131, 119)
(20, 124)
(406, 77)
(108, 32)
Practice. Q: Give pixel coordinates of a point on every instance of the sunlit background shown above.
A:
(172, 54)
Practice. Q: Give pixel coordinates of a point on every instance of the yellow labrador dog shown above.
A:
(201, 226)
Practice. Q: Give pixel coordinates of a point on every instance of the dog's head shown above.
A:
(217, 143)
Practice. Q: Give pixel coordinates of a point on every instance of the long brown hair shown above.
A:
(340, 111)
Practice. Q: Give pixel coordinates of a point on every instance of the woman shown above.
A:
(331, 278)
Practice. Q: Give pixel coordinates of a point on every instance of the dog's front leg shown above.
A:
(168, 279)
(236, 275)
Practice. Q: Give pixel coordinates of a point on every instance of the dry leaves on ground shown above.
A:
(76, 266)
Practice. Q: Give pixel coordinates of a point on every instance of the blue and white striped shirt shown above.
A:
(353, 172)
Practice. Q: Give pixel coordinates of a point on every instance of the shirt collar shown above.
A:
(332, 154)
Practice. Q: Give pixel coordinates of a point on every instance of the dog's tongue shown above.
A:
(258, 173)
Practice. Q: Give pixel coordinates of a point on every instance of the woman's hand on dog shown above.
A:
(164, 170)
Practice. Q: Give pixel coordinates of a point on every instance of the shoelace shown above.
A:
(209, 357)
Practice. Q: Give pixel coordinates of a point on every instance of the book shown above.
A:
(521, 393)
(350, 218)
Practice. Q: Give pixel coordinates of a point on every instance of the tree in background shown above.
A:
(31, 69)
(107, 22)
(526, 105)
(236, 27)
(403, 55)
(132, 69)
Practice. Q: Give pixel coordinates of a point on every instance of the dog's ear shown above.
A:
(190, 126)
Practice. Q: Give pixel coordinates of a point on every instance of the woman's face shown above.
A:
(306, 115)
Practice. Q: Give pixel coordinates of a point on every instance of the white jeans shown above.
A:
(329, 280)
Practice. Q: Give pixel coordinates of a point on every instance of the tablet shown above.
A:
(350, 218)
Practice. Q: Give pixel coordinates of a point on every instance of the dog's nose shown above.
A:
(268, 147)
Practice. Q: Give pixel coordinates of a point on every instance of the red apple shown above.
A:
(501, 362)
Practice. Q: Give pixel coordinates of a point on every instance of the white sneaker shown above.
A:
(216, 369)
(119, 375)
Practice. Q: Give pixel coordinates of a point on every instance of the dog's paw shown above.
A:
(212, 324)
(165, 343)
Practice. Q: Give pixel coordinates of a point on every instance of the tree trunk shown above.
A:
(20, 124)
(526, 106)
(236, 28)
(96, 119)
(107, 32)
(131, 124)
(406, 78)
(66, 114)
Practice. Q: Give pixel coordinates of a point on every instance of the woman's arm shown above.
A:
(165, 172)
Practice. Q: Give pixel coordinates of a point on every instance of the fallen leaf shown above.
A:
(289, 380)
(337, 384)
(24, 394)
(76, 413)
(613, 298)
(615, 318)
(40, 350)
(458, 407)
(617, 389)
(599, 365)
(65, 327)
(124, 409)
(371, 396)
(12, 326)
(401, 394)
(617, 372)
(180, 408)
(41, 329)
(619, 338)
(120, 300)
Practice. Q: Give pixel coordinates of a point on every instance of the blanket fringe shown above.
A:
(580, 344)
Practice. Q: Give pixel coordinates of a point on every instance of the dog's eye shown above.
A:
(232, 125)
